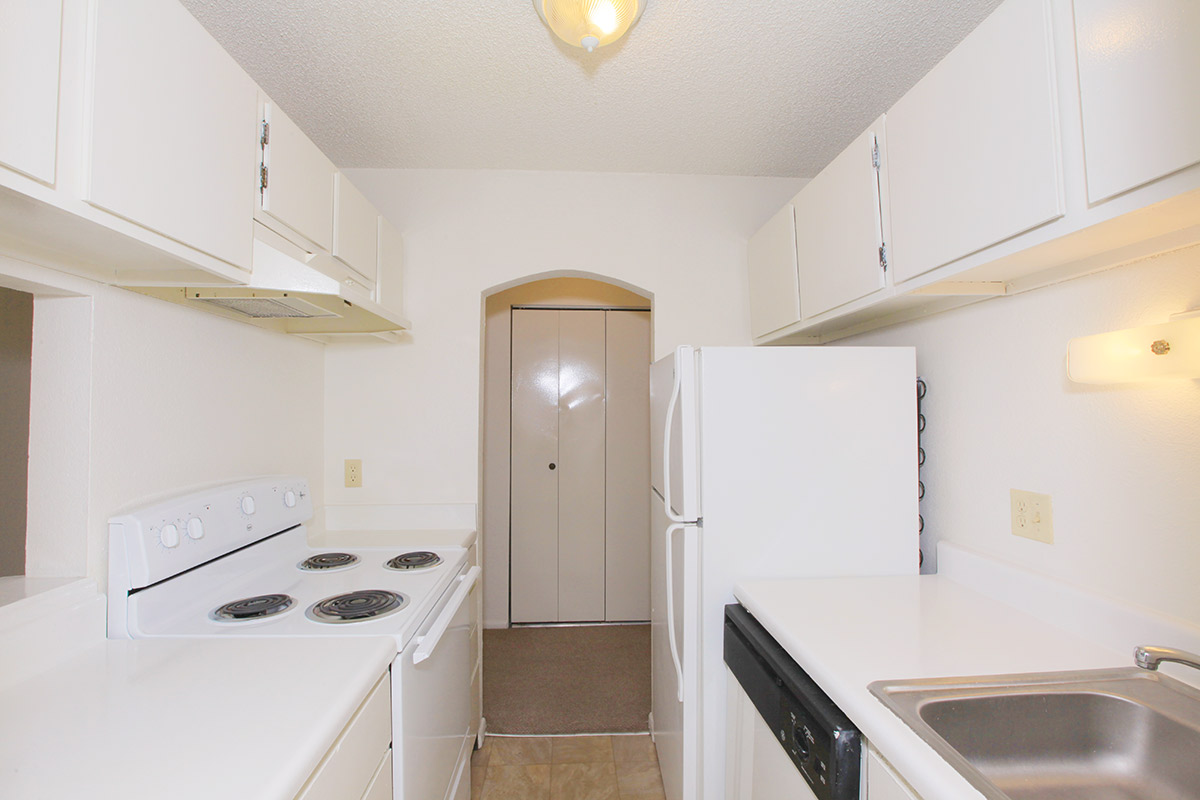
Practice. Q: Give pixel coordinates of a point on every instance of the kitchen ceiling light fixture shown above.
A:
(589, 23)
(1169, 350)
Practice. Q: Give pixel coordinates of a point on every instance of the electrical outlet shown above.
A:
(353, 472)
(1032, 516)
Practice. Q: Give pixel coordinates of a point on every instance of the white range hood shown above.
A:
(286, 294)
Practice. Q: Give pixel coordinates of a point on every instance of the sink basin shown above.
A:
(1119, 734)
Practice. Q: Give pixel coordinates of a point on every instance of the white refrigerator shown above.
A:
(765, 462)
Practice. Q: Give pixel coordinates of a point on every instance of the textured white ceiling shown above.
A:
(758, 87)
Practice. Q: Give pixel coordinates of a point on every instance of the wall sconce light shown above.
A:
(1169, 350)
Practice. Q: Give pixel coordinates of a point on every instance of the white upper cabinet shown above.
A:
(30, 45)
(299, 180)
(1139, 84)
(774, 284)
(355, 230)
(973, 149)
(172, 128)
(839, 228)
(388, 282)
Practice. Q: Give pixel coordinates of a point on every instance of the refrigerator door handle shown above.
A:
(671, 531)
(666, 440)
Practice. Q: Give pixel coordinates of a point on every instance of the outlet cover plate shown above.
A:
(353, 473)
(1032, 515)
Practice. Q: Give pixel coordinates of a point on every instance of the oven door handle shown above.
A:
(429, 642)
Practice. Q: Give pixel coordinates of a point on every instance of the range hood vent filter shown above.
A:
(269, 307)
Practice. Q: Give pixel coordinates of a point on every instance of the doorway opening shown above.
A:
(565, 529)
(16, 372)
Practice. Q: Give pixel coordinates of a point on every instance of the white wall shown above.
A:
(135, 397)
(1120, 462)
(411, 411)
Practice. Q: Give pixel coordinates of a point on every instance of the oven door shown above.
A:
(431, 699)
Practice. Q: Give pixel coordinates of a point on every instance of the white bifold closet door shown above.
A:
(566, 563)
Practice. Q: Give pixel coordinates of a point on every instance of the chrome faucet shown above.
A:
(1149, 657)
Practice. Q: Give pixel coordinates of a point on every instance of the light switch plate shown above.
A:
(353, 472)
(1032, 516)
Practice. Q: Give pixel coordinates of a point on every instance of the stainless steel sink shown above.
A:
(1119, 734)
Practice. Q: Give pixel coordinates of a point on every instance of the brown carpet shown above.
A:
(585, 679)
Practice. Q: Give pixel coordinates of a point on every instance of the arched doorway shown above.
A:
(550, 295)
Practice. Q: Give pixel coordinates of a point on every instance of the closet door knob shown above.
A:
(552, 465)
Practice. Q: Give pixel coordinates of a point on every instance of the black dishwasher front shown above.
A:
(821, 741)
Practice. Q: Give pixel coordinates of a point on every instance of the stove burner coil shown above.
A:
(357, 606)
(328, 561)
(418, 559)
(258, 607)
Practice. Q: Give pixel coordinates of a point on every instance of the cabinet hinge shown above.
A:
(883, 258)
(874, 154)
(262, 177)
(266, 134)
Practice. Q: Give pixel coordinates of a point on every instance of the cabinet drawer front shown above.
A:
(774, 284)
(973, 150)
(1138, 70)
(172, 128)
(356, 229)
(347, 769)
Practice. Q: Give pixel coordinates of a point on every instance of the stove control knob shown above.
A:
(195, 528)
(169, 536)
(247, 505)
(289, 498)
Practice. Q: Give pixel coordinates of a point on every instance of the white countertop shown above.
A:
(848, 632)
(177, 718)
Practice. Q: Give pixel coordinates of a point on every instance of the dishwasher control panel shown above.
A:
(818, 737)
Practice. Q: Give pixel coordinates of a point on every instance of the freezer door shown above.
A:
(675, 662)
(673, 378)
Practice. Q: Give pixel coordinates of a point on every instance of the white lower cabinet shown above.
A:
(171, 143)
(381, 784)
(1125, 48)
(351, 767)
(30, 46)
(882, 783)
(756, 766)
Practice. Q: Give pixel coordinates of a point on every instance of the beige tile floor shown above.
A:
(566, 768)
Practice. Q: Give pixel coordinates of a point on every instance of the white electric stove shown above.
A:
(233, 560)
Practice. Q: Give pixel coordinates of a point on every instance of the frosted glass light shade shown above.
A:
(1169, 350)
(589, 23)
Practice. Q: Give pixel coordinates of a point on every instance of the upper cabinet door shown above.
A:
(30, 44)
(389, 291)
(172, 127)
(299, 180)
(973, 149)
(839, 231)
(355, 230)
(774, 286)
(1139, 73)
